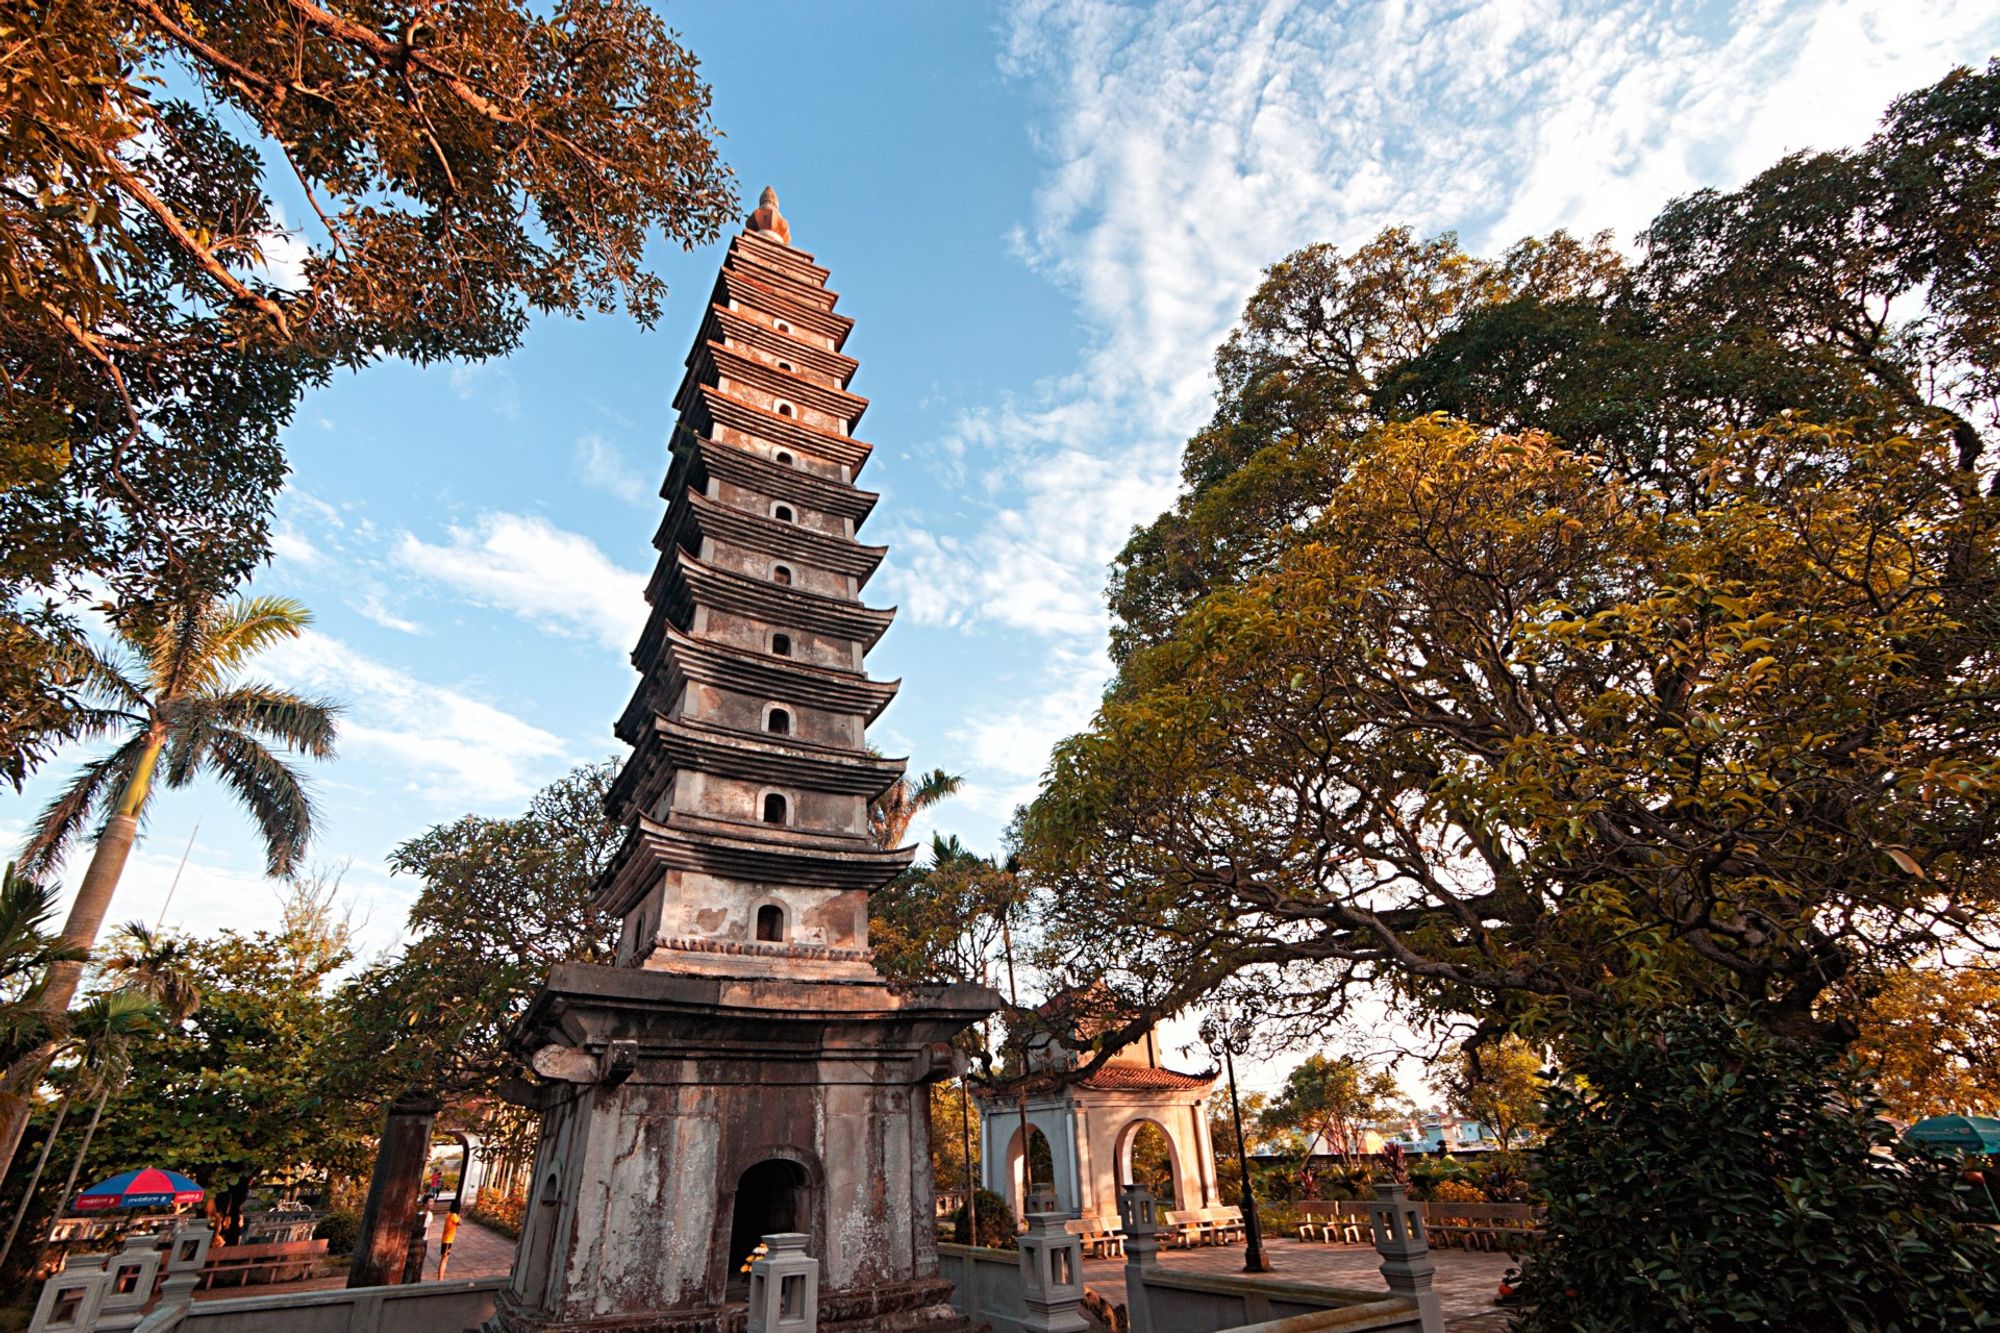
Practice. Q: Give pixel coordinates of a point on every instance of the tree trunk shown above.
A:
(35, 1180)
(86, 918)
(380, 1249)
(89, 1133)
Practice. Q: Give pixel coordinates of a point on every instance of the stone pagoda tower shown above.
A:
(742, 1069)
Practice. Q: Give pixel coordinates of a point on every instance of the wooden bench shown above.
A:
(241, 1265)
(1225, 1225)
(1099, 1240)
(1325, 1219)
(1183, 1229)
(1481, 1226)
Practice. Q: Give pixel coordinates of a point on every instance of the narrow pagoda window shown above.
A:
(781, 645)
(774, 809)
(783, 513)
(779, 723)
(771, 924)
(784, 327)
(781, 575)
(784, 365)
(784, 408)
(785, 458)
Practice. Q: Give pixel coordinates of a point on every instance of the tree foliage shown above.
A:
(1855, 285)
(1499, 1084)
(238, 1092)
(503, 901)
(461, 167)
(1701, 1173)
(1930, 1035)
(942, 920)
(1691, 698)
(1323, 1107)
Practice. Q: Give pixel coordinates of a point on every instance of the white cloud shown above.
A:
(525, 565)
(600, 466)
(447, 744)
(489, 383)
(1190, 144)
(282, 253)
(372, 607)
(289, 545)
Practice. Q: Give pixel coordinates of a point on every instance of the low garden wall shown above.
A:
(1213, 1302)
(420, 1307)
(985, 1285)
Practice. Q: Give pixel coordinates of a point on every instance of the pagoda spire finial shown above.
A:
(767, 218)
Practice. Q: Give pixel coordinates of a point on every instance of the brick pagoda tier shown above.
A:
(742, 1069)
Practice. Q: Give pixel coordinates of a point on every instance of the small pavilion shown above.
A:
(1092, 1124)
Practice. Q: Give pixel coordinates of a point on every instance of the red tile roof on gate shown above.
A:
(1122, 1076)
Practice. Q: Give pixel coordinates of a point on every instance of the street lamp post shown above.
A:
(1253, 1233)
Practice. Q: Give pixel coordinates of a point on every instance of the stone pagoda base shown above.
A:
(687, 1116)
(901, 1307)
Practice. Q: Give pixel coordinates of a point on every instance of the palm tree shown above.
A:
(172, 693)
(890, 813)
(153, 977)
(101, 1031)
(28, 948)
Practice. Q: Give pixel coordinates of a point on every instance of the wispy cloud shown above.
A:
(600, 466)
(489, 383)
(449, 745)
(525, 565)
(1190, 144)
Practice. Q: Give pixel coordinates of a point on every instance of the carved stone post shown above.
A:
(187, 1252)
(1052, 1275)
(383, 1245)
(784, 1286)
(1139, 1216)
(1406, 1254)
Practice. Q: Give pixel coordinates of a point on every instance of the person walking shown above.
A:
(445, 1238)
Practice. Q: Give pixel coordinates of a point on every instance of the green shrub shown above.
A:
(339, 1230)
(1700, 1174)
(997, 1228)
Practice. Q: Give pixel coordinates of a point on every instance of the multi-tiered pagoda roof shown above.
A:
(746, 796)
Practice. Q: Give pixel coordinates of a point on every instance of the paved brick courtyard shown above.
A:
(1466, 1280)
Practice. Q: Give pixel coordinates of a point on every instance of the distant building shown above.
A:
(1439, 1134)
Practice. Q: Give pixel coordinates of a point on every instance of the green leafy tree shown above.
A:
(1499, 1084)
(943, 920)
(1324, 1106)
(1522, 643)
(503, 901)
(179, 708)
(1851, 286)
(462, 168)
(1519, 737)
(1702, 1173)
(240, 1092)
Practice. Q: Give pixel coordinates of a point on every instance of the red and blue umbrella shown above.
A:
(148, 1187)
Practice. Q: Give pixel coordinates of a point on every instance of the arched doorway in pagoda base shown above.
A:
(773, 1196)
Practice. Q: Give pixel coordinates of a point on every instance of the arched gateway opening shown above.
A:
(771, 1196)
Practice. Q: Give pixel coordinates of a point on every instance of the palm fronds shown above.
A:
(270, 790)
(63, 820)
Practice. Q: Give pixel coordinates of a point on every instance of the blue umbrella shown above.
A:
(1968, 1133)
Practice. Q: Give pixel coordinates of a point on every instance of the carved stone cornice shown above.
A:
(693, 516)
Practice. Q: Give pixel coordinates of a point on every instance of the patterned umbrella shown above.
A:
(148, 1187)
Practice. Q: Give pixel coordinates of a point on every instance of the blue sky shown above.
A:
(1044, 216)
